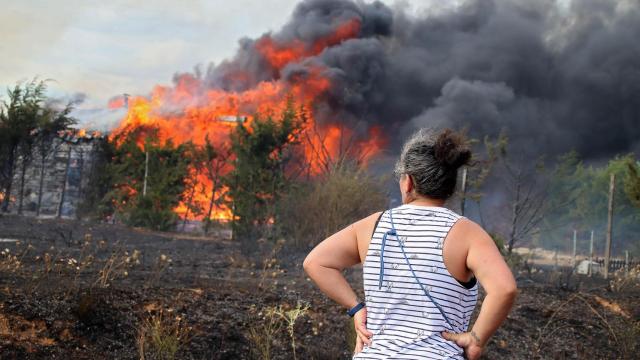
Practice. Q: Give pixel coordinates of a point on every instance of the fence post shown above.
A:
(626, 261)
(575, 235)
(590, 254)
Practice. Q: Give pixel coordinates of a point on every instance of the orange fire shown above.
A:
(279, 55)
(189, 111)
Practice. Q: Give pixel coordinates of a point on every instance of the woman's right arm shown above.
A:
(488, 266)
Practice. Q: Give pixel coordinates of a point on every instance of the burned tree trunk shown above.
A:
(23, 171)
(64, 184)
(189, 201)
(514, 217)
(8, 181)
(529, 199)
(40, 185)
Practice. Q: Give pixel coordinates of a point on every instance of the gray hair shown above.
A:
(432, 160)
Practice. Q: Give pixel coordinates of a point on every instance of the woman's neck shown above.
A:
(426, 202)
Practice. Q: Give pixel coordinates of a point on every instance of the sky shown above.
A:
(99, 49)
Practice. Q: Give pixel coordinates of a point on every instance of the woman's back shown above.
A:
(414, 307)
(413, 297)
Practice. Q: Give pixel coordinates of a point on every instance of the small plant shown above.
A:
(10, 262)
(84, 261)
(117, 265)
(624, 280)
(263, 331)
(290, 317)
(629, 338)
(162, 263)
(270, 265)
(161, 336)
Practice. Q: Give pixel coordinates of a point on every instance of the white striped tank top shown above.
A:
(405, 322)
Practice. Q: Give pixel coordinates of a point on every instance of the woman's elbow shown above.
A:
(507, 290)
(308, 264)
(510, 290)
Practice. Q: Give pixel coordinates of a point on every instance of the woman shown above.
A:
(421, 265)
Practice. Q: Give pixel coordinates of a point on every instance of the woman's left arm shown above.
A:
(325, 263)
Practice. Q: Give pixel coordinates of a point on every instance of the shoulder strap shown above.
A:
(393, 232)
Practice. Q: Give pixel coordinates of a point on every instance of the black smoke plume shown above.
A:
(556, 75)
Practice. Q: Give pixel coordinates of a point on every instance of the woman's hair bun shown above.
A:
(451, 149)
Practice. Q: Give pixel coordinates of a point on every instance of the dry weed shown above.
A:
(161, 336)
(263, 331)
(291, 317)
(117, 266)
(624, 280)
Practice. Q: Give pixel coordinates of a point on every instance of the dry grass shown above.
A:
(161, 336)
(163, 262)
(263, 332)
(290, 318)
(117, 266)
(624, 280)
(265, 329)
(315, 210)
(625, 336)
(271, 268)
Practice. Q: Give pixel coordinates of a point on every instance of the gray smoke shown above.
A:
(556, 75)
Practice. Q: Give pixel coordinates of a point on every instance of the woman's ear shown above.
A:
(409, 187)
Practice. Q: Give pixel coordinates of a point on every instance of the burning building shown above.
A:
(368, 74)
(563, 77)
(52, 182)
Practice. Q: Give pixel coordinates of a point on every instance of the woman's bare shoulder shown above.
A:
(365, 226)
(469, 229)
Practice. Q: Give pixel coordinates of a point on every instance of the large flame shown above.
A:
(189, 111)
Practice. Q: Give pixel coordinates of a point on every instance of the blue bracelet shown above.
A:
(355, 309)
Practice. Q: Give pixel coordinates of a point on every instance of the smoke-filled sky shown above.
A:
(98, 49)
(556, 74)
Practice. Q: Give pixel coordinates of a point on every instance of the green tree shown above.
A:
(632, 181)
(165, 167)
(261, 152)
(26, 120)
(579, 196)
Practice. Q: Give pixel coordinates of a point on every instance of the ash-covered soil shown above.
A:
(77, 290)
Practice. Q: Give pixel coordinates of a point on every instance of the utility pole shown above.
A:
(146, 172)
(590, 254)
(463, 190)
(607, 249)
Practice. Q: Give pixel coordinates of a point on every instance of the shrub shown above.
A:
(161, 337)
(262, 333)
(313, 210)
(625, 280)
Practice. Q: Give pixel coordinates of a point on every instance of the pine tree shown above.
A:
(261, 152)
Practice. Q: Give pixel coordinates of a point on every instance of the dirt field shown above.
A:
(74, 290)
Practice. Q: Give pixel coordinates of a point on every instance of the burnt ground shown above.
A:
(77, 290)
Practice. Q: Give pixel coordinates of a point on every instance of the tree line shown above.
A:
(262, 176)
(545, 200)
